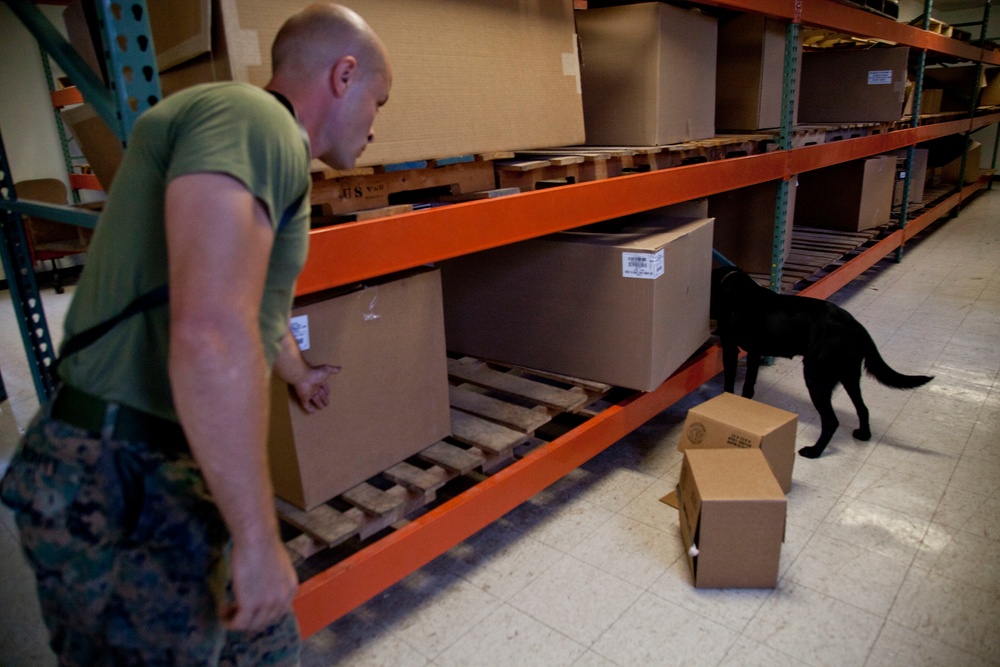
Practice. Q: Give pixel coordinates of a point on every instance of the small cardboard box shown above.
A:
(851, 196)
(853, 86)
(744, 225)
(749, 74)
(389, 401)
(733, 421)
(458, 68)
(624, 307)
(732, 515)
(918, 179)
(950, 172)
(648, 74)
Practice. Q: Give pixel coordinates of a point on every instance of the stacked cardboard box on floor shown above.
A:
(850, 196)
(853, 86)
(459, 85)
(389, 400)
(730, 421)
(732, 516)
(744, 225)
(648, 74)
(625, 303)
(750, 70)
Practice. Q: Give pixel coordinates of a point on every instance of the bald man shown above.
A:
(141, 491)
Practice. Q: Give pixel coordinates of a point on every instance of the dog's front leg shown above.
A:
(730, 358)
(753, 365)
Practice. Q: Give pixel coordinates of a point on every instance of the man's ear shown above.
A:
(342, 75)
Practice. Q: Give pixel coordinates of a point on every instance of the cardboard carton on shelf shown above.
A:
(949, 173)
(744, 224)
(624, 303)
(389, 401)
(850, 196)
(749, 73)
(853, 86)
(648, 74)
(918, 178)
(457, 88)
(732, 516)
(728, 421)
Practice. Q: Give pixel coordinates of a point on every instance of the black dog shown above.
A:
(832, 343)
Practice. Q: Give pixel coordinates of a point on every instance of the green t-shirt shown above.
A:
(229, 128)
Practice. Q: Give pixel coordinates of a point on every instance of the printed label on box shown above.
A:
(648, 265)
(879, 77)
(299, 326)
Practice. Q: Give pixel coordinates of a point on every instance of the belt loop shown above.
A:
(110, 421)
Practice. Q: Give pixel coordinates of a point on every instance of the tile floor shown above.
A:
(892, 554)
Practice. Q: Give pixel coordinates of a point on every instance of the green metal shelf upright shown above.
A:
(133, 87)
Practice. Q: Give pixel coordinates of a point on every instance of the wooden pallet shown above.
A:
(496, 411)
(371, 189)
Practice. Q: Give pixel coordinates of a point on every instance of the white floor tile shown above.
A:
(814, 628)
(899, 645)
(577, 600)
(885, 531)
(630, 550)
(656, 632)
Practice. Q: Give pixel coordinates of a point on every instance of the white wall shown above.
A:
(27, 121)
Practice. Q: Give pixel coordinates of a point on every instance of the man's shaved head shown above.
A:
(312, 40)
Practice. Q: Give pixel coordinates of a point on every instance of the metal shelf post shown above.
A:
(135, 86)
(788, 88)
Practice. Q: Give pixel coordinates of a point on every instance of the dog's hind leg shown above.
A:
(852, 384)
(730, 359)
(821, 392)
(750, 381)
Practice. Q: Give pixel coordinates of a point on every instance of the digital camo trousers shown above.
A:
(129, 553)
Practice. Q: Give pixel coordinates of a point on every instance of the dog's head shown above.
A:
(729, 284)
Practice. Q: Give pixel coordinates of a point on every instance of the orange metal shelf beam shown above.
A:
(336, 591)
(357, 251)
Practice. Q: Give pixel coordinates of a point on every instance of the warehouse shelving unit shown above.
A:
(357, 251)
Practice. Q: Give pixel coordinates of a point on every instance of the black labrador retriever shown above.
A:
(832, 343)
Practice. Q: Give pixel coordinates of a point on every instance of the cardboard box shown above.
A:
(851, 196)
(930, 101)
(744, 225)
(750, 69)
(648, 74)
(852, 86)
(624, 307)
(458, 69)
(389, 401)
(918, 179)
(960, 89)
(733, 421)
(732, 515)
(950, 172)
(97, 142)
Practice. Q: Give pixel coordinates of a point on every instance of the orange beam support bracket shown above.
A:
(340, 589)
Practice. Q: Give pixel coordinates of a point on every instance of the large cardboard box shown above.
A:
(744, 225)
(950, 172)
(648, 74)
(733, 421)
(389, 401)
(851, 196)
(459, 83)
(853, 86)
(732, 515)
(624, 307)
(750, 69)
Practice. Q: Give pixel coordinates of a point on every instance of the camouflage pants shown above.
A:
(129, 553)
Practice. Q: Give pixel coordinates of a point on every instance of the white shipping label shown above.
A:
(879, 77)
(299, 326)
(648, 265)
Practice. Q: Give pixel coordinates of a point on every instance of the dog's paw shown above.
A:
(810, 452)
(862, 434)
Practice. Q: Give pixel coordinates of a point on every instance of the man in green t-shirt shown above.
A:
(141, 491)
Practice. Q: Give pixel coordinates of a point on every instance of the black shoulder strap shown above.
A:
(87, 337)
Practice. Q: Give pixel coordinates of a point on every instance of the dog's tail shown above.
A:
(881, 371)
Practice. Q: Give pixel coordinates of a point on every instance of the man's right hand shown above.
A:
(264, 585)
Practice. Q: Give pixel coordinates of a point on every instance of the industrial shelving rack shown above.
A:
(357, 251)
